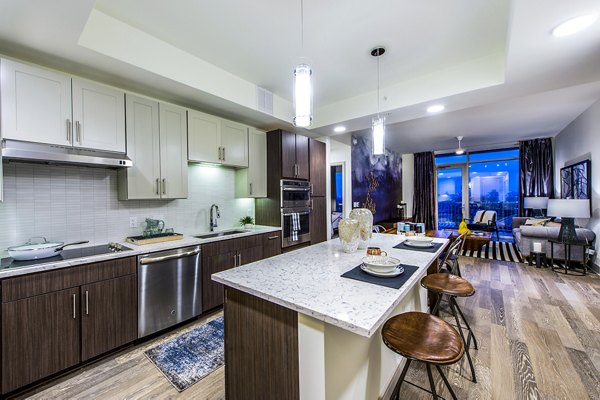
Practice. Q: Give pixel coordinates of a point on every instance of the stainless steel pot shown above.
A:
(37, 249)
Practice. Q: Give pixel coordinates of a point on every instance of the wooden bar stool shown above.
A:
(423, 337)
(453, 286)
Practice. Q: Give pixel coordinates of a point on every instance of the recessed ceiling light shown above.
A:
(574, 25)
(435, 108)
(339, 129)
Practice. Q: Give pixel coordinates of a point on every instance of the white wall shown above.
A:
(580, 140)
(70, 203)
(408, 182)
(342, 154)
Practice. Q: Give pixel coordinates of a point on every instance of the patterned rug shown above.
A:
(502, 251)
(192, 356)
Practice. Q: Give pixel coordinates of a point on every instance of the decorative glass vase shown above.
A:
(365, 221)
(349, 232)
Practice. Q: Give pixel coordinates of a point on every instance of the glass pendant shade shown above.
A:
(379, 136)
(302, 96)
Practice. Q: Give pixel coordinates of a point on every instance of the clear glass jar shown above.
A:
(349, 231)
(365, 221)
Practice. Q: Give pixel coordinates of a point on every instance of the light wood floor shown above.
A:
(538, 331)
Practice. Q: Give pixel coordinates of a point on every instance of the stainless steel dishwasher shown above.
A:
(169, 288)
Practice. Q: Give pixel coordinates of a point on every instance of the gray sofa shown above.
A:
(525, 235)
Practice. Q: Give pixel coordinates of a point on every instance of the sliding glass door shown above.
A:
(452, 196)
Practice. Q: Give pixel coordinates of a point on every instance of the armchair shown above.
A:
(485, 220)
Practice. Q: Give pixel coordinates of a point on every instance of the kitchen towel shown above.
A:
(394, 283)
(432, 249)
(295, 226)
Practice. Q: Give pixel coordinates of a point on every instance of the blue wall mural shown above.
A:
(376, 180)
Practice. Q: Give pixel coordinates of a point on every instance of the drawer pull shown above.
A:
(273, 237)
(87, 302)
(74, 306)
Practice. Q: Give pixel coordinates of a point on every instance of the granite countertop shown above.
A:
(9, 271)
(309, 281)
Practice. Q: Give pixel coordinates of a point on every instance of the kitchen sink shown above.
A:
(219, 234)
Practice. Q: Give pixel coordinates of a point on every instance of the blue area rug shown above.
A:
(190, 357)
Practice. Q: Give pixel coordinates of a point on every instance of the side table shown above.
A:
(540, 259)
(567, 246)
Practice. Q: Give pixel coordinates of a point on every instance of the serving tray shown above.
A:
(158, 238)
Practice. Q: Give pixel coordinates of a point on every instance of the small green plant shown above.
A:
(247, 220)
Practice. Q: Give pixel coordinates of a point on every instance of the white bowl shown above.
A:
(381, 264)
(419, 239)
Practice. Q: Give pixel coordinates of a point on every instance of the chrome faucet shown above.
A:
(213, 218)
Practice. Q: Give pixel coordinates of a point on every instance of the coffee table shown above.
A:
(473, 242)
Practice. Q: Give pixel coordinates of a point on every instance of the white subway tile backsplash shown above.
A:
(71, 203)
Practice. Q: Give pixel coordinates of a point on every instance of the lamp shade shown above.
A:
(569, 208)
(536, 203)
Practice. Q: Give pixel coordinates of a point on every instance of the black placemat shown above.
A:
(432, 249)
(394, 283)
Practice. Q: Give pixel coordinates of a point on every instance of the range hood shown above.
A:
(52, 154)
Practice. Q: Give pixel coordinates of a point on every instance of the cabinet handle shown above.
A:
(157, 186)
(311, 189)
(164, 186)
(69, 127)
(78, 131)
(272, 237)
(87, 303)
(219, 149)
(239, 259)
(74, 306)
(235, 260)
(250, 188)
(223, 153)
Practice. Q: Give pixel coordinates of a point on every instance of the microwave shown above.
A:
(295, 194)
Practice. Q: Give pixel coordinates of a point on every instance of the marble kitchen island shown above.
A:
(296, 329)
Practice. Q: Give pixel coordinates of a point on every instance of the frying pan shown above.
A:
(34, 250)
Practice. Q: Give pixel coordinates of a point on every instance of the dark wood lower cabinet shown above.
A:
(271, 244)
(108, 315)
(212, 292)
(40, 337)
(54, 320)
(318, 220)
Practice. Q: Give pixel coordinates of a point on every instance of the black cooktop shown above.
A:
(68, 254)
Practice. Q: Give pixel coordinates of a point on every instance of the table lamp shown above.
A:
(537, 204)
(568, 210)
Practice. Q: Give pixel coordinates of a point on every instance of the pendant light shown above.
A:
(302, 85)
(460, 150)
(379, 121)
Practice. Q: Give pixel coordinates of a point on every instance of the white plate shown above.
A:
(418, 244)
(397, 271)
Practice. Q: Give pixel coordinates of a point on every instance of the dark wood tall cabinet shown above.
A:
(290, 151)
(318, 170)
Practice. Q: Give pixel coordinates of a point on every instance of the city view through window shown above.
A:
(487, 180)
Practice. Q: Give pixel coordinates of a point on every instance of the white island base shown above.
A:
(272, 352)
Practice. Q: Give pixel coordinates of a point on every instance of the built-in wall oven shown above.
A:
(295, 212)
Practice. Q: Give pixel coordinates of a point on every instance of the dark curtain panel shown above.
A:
(424, 199)
(536, 165)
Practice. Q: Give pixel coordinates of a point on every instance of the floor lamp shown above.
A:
(568, 210)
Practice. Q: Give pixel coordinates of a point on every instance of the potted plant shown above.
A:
(247, 222)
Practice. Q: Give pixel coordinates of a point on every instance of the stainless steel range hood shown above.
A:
(46, 153)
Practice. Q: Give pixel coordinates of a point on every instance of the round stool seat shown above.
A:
(423, 337)
(448, 284)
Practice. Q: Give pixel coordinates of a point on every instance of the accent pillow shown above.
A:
(537, 222)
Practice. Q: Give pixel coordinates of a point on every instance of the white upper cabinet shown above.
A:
(157, 145)
(36, 104)
(252, 181)
(98, 116)
(234, 143)
(173, 152)
(204, 137)
(215, 140)
(44, 106)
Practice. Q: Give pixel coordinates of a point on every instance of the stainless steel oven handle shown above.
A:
(295, 189)
(152, 260)
(300, 213)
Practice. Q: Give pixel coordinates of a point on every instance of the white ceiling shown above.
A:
(494, 64)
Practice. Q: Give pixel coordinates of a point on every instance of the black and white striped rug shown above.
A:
(501, 251)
